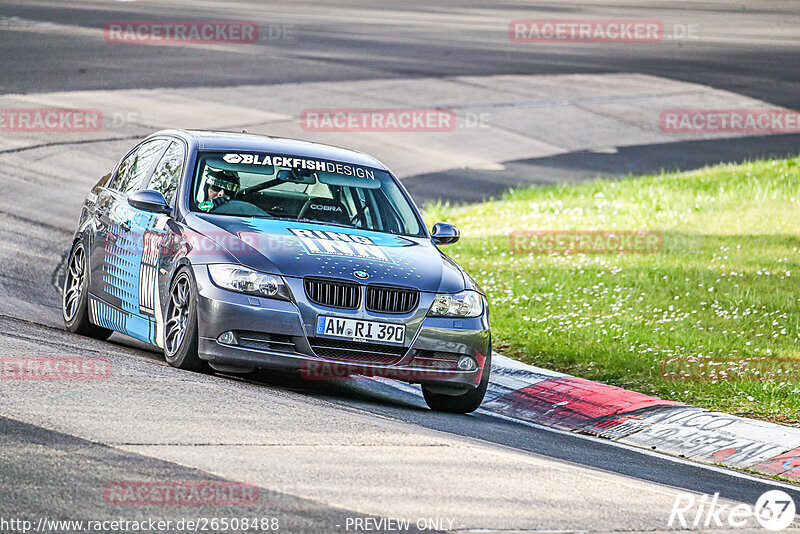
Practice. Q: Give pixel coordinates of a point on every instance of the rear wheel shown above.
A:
(461, 402)
(180, 327)
(75, 296)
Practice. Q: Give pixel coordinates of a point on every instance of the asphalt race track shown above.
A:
(323, 454)
(748, 48)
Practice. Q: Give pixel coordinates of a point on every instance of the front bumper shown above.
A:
(430, 342)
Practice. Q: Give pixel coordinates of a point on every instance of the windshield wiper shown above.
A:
(304, 220)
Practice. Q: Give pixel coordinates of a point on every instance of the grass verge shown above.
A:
(711, 319)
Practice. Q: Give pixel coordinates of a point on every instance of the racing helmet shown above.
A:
(221, 179)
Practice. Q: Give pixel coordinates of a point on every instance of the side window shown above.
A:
(123, 172)
(168, 171)
(133, 169)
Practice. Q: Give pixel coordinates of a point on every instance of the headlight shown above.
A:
(244, 280)
(464, 304)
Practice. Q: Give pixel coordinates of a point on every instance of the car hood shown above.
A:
(301, 249)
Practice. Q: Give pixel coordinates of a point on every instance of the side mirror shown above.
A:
(149, 200)
(444, 234)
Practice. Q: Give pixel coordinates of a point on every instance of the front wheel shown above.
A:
(75, 297)
(180, 328)
(465, 402)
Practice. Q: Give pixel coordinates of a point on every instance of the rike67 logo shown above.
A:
(774, 510)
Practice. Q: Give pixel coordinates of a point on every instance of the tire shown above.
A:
(465, 402)
(75, 295)
(180, 325)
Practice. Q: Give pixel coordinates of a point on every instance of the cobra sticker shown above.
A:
(299, 163)
(339, 244)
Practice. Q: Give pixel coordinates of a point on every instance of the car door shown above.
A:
(115, 285)
(103, 202)
(164, 179)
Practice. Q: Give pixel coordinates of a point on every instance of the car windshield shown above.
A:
(298, 188)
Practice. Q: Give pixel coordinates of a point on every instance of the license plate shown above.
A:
(359, 330)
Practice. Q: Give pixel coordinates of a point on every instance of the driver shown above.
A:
(219, 186)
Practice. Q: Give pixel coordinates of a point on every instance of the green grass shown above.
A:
(719, 306)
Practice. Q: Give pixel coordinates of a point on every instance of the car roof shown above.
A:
(237, 142)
